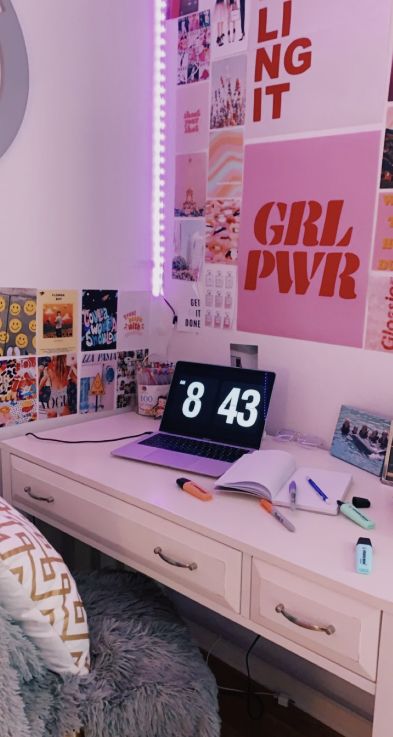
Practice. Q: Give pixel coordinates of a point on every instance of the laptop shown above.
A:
(213, 415)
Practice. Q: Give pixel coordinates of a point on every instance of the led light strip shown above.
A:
(158, 164)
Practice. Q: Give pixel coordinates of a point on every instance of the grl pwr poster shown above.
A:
(305, 237)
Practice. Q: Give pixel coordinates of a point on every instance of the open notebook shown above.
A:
(268, 473)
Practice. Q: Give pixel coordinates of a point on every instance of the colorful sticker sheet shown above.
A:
(40, 378)
(18, 391)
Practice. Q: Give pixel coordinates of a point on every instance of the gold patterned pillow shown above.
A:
(39, 592)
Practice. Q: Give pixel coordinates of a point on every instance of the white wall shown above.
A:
(75, 184)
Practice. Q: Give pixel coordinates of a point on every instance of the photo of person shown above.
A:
(57, 385)
(193, 48)
(190, 185)
(361, 438)
(57, 321)
(189, 244)
(222, 231)
(229, 27)
(228, 94)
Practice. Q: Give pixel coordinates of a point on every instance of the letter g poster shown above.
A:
(305, 237)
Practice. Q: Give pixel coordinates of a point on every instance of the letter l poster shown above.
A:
(306, 235)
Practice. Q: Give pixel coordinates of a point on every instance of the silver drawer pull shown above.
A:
(329, 629)
(49, 499)
(173, 562)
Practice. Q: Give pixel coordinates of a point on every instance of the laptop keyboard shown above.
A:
(195, 447)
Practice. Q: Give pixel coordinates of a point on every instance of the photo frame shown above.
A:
(387, 470)
(361, 438)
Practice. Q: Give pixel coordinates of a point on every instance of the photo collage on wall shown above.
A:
(65, 351)
(265, 178)
(210, 119)
(379, 328)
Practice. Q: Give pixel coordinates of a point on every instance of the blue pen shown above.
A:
(317, 489)
(292, 495)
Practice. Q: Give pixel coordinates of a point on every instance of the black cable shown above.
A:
(77, 442)
(250, 694)
(174, 319)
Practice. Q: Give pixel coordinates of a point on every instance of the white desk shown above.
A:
(246, 563)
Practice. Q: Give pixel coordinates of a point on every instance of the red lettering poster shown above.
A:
(316, 65)
(383, 249)
(305, 237)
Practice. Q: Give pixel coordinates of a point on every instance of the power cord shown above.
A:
(282, 698)
(175, 317)
(249, 693)
(78, 442)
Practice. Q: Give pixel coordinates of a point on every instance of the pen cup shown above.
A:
(153, 381)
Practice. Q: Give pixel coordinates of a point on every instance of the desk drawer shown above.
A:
(352, 632)
(139, 538)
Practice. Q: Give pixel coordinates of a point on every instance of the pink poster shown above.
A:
(225, 173)
(192, 118)
(316, 65)
(305, 237)
(379, 334)
(190, 185)
(383, 248)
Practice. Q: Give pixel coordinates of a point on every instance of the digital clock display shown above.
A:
(220, 403)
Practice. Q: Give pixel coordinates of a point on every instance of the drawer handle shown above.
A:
(329, 629)
(49, 499)
(173, 562)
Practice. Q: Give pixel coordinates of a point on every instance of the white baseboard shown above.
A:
(313, 702)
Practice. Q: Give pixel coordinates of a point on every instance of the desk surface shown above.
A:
(322, 545)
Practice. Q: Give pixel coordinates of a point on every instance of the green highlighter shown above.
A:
(353, 514)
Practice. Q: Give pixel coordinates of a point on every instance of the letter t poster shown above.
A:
(306, 235)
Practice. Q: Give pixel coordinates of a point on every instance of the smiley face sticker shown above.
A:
(21, 341)
(30, 307)
(14, 325)
(2, 303)
(14, 308)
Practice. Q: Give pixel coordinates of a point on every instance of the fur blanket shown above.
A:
(148, 678)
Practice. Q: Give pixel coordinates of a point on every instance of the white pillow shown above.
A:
(39, 592)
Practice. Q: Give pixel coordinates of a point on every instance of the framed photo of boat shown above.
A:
(361, 438)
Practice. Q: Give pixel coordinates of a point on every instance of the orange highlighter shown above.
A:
(194, 489)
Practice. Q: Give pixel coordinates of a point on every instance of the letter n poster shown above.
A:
(306, 235)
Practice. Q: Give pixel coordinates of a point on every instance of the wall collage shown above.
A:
(66, 351)
(283, 213)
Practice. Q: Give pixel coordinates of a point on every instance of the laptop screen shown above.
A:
(220, 403)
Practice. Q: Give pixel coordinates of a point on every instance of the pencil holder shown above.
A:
(153, 381)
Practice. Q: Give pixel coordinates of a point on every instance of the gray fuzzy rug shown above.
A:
(148, 679)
